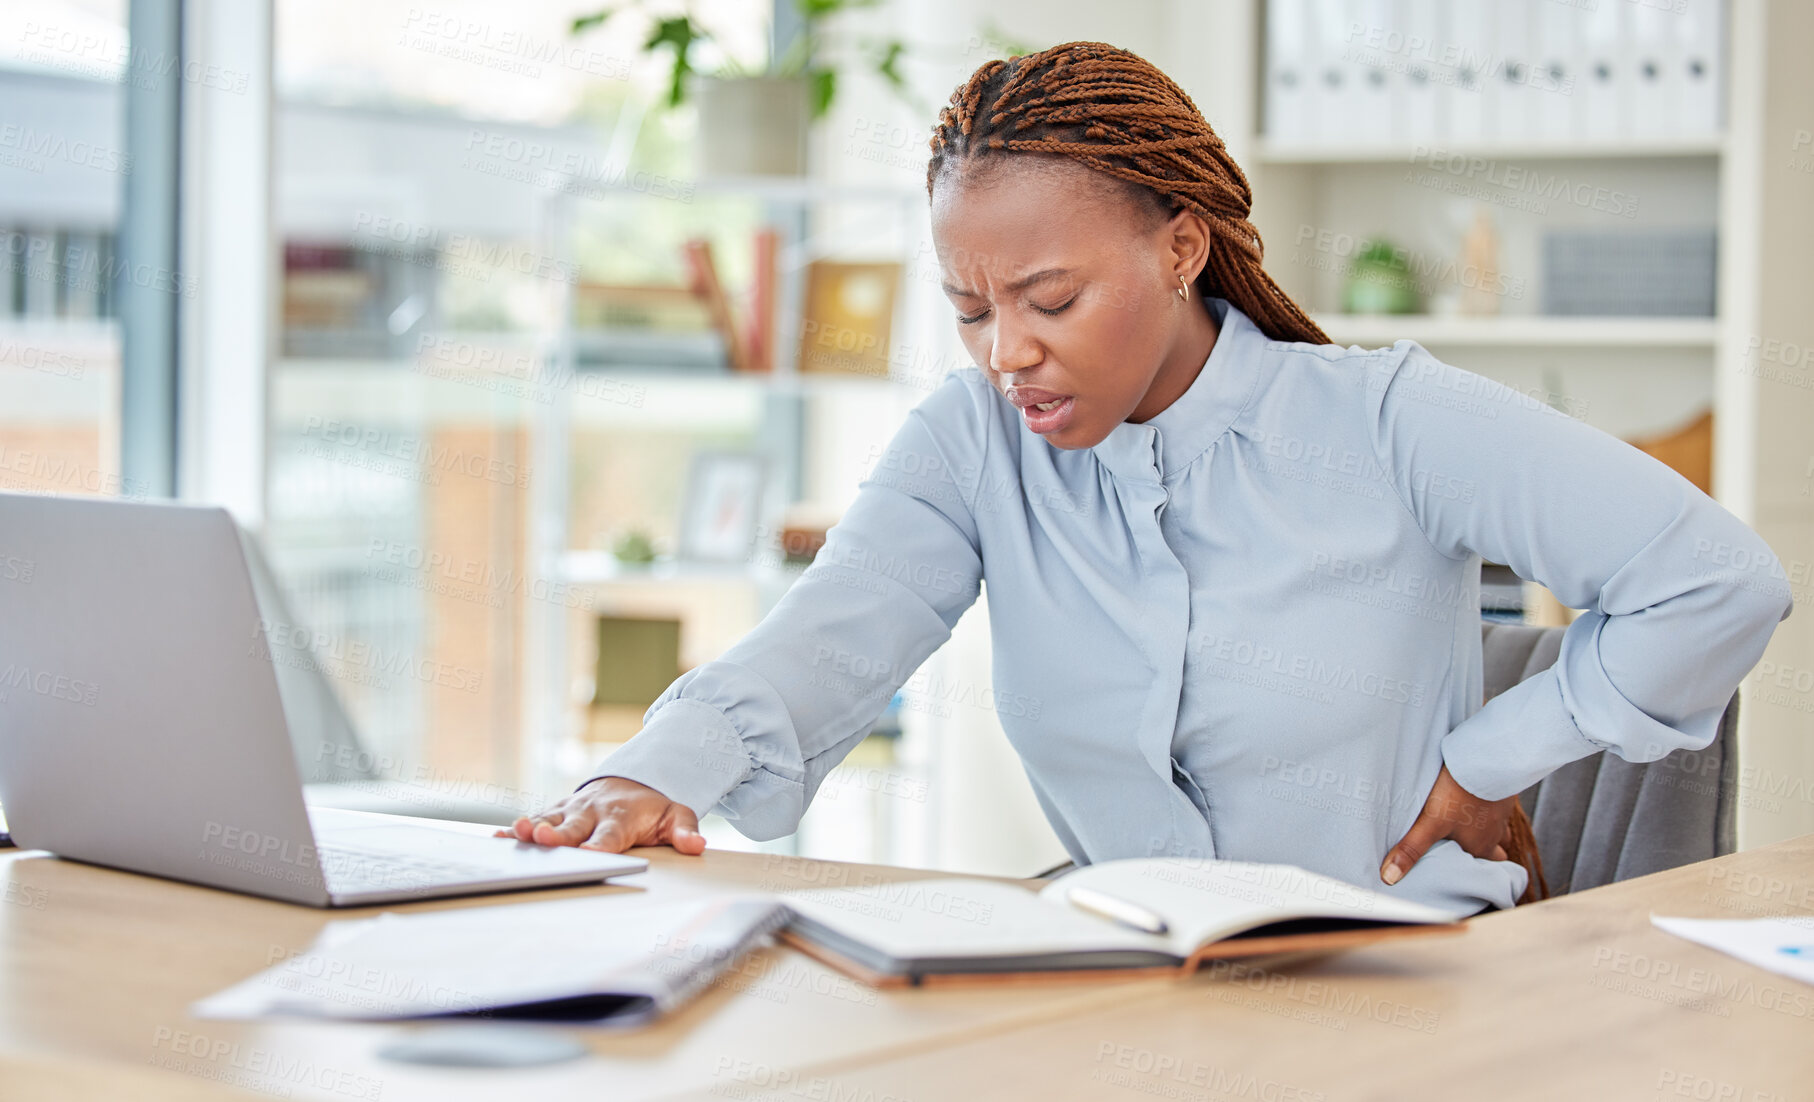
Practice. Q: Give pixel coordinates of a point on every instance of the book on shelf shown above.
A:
(644, 325)
(759, 328)
(848, 318)
(703, 351)
(702, 278)
(1501, 594)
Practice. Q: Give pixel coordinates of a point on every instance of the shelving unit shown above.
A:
(1420, 197)
(779, 403)
(1273, 153)
(1375, 330)
(1750, 182)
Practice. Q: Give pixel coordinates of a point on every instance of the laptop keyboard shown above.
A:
(356, 867)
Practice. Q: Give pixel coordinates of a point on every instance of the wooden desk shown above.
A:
(1577, 997)
(100, 966)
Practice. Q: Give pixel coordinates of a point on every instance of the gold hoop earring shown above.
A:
(1182, 293)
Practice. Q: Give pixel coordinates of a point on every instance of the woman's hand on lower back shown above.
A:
(1451, 811)
(612, 814)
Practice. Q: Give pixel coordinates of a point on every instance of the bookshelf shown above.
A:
(1460, 331)
(1274, 153)
(718, 601)
(1750, 181)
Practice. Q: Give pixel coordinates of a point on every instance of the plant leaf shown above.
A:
(587, 22)
(822, 87)
(679, 33)
(889, 66)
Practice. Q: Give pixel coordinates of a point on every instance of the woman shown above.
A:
(1233, 569)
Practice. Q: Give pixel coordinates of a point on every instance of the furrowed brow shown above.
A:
(1020, 284)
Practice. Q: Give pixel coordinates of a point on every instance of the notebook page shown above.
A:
(1205, 901)
(953, 917)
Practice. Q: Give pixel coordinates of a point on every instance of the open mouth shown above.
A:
(1050, 416)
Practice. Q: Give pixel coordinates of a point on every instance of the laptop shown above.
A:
(143, 720)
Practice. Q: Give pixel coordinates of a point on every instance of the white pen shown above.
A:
(1118, 910)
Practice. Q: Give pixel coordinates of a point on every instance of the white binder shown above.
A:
(1331, 107)
(1375, 44)
(1554, 79)
(1700, 53)
(1468, 55)
(1419, 85)
(1655, 89)
(1600, 92)
(1290, 73)
(1510, 100)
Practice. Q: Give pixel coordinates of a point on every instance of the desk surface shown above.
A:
(1574, 997)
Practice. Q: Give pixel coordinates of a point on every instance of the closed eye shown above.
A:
(1052, 312)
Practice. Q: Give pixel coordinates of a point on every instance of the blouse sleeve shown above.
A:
(1680, 596)
(753, 733)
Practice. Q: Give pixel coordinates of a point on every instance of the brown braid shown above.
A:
(1113, 111)
(1521, 846)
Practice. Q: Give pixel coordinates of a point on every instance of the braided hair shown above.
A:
(1110, 110)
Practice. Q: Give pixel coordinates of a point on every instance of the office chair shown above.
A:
(1602, 819)
(336, 769)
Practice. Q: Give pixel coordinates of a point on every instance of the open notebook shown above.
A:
(917, 931)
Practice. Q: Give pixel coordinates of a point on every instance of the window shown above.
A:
(62, 159)
(426, 275)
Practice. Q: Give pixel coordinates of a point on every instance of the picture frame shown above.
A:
(847, 323)
(721, 511)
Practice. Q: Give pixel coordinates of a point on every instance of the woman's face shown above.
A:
(1064, 290)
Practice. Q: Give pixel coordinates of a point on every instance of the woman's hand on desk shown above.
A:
(1451, 811)
(612, 814)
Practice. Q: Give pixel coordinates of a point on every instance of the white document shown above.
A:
(613, 959)
(1784, 945)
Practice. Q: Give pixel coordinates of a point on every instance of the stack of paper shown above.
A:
(609, 960)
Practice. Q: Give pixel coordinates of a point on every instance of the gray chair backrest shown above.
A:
(321, 732)
(1602, 819)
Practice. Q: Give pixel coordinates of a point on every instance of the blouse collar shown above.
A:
(1172, 439)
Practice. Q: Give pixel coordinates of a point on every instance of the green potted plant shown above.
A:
(755, 122)
(1379, 281)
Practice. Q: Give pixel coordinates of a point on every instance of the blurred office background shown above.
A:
(541, 387)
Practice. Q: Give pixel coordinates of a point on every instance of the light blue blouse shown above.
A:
(1276, 669)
